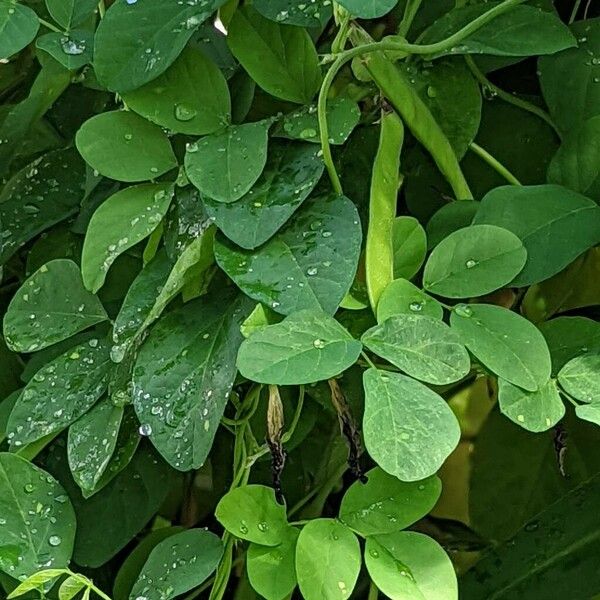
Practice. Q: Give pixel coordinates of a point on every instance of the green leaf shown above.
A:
(449, 218)
(70, 587)
(18, 26)
(118, 224)
(423, 347)
(137, 42)
(316, 254)
(410, 246)
(190, 97)
(70, 13)
(281, 59)
(589, 412)
(295, 12)
(327, 560)
(534, 411)
(305, 347)
(407, 564)
(49, 307)
(385, 504)
(368, 9)
(225, 165)
(43, 193)
(555, 225)
(184, 374)
(38, 523)
(343, 115)
(291, 173)
(521, 31)
(403, 297)
(251, 513)
(568, 337)
(474, 261)
(73, 50)
(271, 571)
(36, 582)
(110, 519)
(452, 95)
(580, 377)
(506, 343)
(123, 146)
(573, 104)
(409, 430)
(92, 441)
(195, 554)
(535, 565)
(81, 375)
(576, 165)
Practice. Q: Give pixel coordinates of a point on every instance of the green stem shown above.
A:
(373, 592)
(510, 98)
(49, 25)
(290, 432)
(574, 11)
(382, 46)
(410, 11)
(368, 360)
(494, 163)
(101, 9)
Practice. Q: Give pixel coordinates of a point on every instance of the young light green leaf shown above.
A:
(70, 587)
(184, 374)
(81, 376)
(73, 50)
(589, 412)
(403, 297)
(36, 582)
(423, 347)
(291, 173)
(281, 59)
(316, 254)
(49, 307)
(409, 430)
(41, 194)
(123, 146)
(190, 557)
(271, 571)
(295, 12)
(555, 225)
(18, 26)
(119, 223)
(534, 411)
(305, 347)
(474, 261)
(225, 165)
(92, 441)
(137, 41)
(521, 31)
(71, 13)
(506, 343)
(38, 522)
(251, 513)
(580, 377)
(385, 504)
(343, 115)
(407, 564)
(571, 105)
(576, 165)
(190, 97)
(410, 247)
(369, 9)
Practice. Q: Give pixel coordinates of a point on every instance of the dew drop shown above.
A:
(145, 429)
(470, 263)
(318, 343)
(72, 47)
(29, 487)
(463, 310)
(416, 306)
(183, 112)
(54, 540)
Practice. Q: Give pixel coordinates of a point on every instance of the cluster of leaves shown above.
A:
(332, 261)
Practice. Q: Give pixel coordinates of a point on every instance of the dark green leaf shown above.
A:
(125, 147)
(295, 12)
(280, 58)
(225, 165)
(305, 347)
(403, 297)
(368, 9)
(49, 307)
(37, 520)
(70, 13)
(291, 173)
(448, 219)
(18, 26)
(316, 254)
(73, 50)
(410, 246)
(409, 430)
